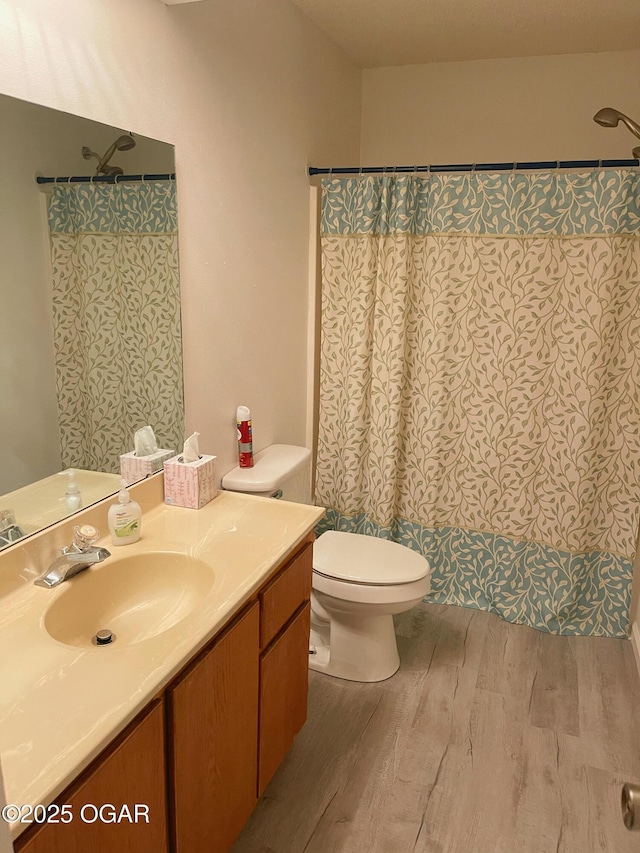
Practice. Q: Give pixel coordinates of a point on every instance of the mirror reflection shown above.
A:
(90, 340)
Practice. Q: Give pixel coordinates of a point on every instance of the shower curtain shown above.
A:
(116, 318)
(480, 384)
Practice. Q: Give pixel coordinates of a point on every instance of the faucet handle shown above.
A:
(7, 519)
(84, 535)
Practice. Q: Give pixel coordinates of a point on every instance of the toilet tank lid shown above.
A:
(367, 559)
(271, 467)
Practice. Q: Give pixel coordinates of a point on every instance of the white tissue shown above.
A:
(144, 442)
(191, 452)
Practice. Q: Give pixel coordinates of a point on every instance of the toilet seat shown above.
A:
(355, 559)
(372, 593)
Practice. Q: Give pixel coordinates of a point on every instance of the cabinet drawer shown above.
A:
(280, 599)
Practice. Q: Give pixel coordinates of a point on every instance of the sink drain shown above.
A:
(103, 638)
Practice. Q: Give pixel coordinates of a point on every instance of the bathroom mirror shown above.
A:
(59, 346)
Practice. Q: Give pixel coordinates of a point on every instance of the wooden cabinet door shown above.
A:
(214, 713)
(131, 772)
(284, 678)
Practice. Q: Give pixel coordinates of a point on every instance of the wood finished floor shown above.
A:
(492, 738)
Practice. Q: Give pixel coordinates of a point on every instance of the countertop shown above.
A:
(43, 503)
(61, 705)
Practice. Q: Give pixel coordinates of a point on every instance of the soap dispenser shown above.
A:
(72, 496)
(125, 518)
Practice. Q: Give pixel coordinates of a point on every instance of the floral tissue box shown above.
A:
(190, 484)
(134, 468)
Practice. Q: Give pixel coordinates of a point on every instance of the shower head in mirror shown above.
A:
(122, 143)
(608, 117)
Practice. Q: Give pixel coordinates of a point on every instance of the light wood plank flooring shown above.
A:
(492, 738)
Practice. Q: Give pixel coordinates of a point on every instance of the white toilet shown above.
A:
(359, 582)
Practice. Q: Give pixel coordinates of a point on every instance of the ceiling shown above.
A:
(378, 33)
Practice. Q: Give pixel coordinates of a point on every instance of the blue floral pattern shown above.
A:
(130, 208)
(524, 582)
(554, 203)
(480, 366)
(116, 319)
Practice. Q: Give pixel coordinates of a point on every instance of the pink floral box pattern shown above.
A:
(190, 484)
(134, 468)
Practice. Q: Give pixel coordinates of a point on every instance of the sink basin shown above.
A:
(135, 597)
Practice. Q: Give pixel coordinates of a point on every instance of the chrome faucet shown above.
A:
(10, 531)
(74, 558)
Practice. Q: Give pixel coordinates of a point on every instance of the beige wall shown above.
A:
(536, 108)
(29, 419)
(248, 92)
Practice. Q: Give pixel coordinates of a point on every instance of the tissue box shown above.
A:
(190, 484)
(133, 468)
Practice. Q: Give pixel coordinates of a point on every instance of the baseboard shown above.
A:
(635, 642)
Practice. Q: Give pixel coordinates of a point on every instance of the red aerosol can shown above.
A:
(245, 439)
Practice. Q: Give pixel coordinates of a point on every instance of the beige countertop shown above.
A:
(60, 704)
(43, 503)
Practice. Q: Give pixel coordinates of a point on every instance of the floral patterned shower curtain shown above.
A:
(480, 384)
(116, 318)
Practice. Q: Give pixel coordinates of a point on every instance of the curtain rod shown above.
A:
(105, 179)
(474, 167)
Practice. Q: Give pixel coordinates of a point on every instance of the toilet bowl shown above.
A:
(359, 584)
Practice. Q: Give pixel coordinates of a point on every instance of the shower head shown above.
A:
(122, 143)
(125, 142)
(608, 117)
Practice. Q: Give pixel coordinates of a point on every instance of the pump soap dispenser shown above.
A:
(72, 496)
(125, 518)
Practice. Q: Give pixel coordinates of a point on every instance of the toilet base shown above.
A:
(360, 647)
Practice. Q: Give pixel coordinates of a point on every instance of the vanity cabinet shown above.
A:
(205, 749)
(213, 709)
(131, 771)
(284, 661)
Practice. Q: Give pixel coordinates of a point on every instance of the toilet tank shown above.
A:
(281, 470)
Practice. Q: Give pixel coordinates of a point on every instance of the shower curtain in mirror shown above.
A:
(480, 384)
(116, 318)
